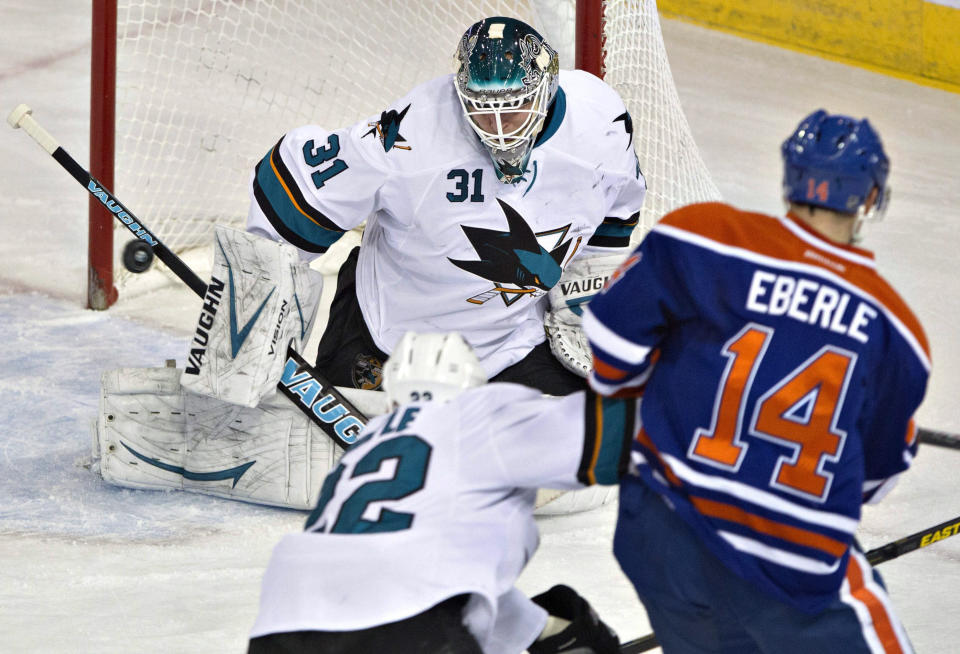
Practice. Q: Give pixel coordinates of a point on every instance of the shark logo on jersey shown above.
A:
(515, 257)
(388, 130)
(367, 372)
(513, 170)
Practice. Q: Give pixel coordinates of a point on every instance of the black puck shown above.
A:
(137, 256)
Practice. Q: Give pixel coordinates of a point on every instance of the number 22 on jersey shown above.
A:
(412, 456)
(799, 412)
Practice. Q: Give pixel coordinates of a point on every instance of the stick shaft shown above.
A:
(875, 556)
(341, 423)
(913, 542)
(938, 438)
(20, 117)
(643, 644)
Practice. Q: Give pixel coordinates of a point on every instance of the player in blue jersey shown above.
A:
(779, 374)
(479, 190)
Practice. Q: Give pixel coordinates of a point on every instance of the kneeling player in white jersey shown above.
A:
(478, 189)
(780, 374)
(423, 527)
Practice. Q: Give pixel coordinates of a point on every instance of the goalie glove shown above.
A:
(573, 626)
(581, 280)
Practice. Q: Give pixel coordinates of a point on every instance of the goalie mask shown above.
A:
(435, 367)
(506, 79)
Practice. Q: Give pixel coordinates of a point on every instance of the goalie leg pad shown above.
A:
(152, 434)
(261, 298)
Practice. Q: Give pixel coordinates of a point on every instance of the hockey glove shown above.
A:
(585, 633)
(581, 280)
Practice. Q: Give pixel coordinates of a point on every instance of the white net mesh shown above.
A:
(204, 88)
(635, 62)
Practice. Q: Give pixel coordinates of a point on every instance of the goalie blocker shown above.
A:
(261, 299)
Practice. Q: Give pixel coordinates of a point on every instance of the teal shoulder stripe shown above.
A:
(616, 433)
(286, 216)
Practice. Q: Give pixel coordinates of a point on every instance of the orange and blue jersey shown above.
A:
(780, 373)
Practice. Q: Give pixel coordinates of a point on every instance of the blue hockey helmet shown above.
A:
(506, 79)
(835, 161)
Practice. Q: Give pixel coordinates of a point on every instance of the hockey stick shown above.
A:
(875, 556)
(20, 118)
(913, 542)
(313, 395)
(938, 438)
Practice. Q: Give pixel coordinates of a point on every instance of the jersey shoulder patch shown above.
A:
(421, 131)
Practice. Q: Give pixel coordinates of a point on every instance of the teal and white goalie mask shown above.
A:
(506, 79)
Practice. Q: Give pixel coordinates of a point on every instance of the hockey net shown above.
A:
(205, 87)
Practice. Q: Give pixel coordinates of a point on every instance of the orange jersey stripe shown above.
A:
(597, 438)
(644, 439)
(607, 371)
(769, 527)
(765, 236)
(911, 434)
(878, 613)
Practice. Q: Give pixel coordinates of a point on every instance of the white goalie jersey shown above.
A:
(447, 245)
(436, 500)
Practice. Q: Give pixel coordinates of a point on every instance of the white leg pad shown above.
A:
(153, 434)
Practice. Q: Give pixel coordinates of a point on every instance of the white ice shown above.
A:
(85, 567)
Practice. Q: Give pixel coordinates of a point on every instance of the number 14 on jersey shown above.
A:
(799, 412)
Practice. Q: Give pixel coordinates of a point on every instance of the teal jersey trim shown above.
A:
(617, 414)
(609, 425)
(557, 112)
(533, 180)
(615, 230)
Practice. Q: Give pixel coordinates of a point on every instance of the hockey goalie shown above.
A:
(481, 190)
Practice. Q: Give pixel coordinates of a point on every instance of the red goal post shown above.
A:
(186, 96)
